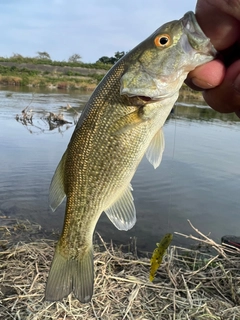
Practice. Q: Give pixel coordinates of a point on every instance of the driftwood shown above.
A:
(40, 121)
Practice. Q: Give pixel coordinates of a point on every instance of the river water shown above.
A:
(198, 179)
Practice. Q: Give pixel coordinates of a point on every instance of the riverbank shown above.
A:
(69, 76)
(59, 76)
(199, 283)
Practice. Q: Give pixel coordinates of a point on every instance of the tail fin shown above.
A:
(67, 275)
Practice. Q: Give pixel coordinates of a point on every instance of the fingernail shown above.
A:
(236, 84)
(201, 83)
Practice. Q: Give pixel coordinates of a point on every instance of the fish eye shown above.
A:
(162, 40)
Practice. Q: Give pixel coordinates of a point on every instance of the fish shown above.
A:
(158, 254)
(121, 122)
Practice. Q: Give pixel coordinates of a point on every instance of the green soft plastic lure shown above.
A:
(158, 254)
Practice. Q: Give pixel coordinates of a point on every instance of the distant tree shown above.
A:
(17, 56)
(111, 60)
(75, 58)
(118, 55)
(105, 60)
(43, 55)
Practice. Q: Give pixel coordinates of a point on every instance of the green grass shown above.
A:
(96, 65)
(15, 71)
(14, 75)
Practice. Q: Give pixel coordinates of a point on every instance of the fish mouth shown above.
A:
(190, 23)
(146, 99)
(140, 100)
(196, 37)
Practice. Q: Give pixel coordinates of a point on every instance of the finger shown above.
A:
(220, 21)
(226, 97)
(206, 76)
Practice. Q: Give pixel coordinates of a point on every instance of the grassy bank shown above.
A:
(52, 74)
(199, 283)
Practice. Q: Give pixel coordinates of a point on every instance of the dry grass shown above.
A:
(10, 80)
(190, 284)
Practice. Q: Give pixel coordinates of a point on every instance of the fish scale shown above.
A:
(120, 123)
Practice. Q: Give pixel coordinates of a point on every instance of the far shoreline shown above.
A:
(55, 75)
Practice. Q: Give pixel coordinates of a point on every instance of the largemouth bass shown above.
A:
(120, 123)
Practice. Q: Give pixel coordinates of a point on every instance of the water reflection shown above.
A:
(197, 180)
(198, 110)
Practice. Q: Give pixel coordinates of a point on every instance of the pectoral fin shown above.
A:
(56, 190)
(155, 149)
(122, 212)
(127, 122)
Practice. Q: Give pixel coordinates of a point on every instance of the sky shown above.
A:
(91, 28)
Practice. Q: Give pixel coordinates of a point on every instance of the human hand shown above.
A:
(220, 79)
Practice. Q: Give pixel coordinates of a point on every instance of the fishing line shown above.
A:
(171, 171)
